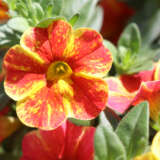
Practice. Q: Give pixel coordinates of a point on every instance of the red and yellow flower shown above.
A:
(56, 73)
(130, 90)
(67, 142)
(154, 154)
(3, 12)
(116, 15)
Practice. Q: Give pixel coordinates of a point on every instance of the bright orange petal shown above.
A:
(35, 41)
(150, 91)
(90, 96)
(82, 97)
(119, 98)
(42, 109)
(83, 42)
(96, 64)
(18, 59)
(59, 33)
(19, 85)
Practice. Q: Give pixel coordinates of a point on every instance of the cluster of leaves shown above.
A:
(131, 54)
(130, 136)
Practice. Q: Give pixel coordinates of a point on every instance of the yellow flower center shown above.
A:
(58, 70)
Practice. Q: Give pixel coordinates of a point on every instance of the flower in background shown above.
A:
(67, 142)
(8, 124)
(154, 154)
(3, 12)
(116, 16)
(56, 73)
(130, 90)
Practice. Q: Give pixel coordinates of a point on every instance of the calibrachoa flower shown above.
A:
(116, 15)
(56, 73)
(67, 142)
(3, 11)
(130, 90)
(154, 154)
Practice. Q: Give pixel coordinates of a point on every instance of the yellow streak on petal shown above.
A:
(28, 51)
(67, 107)
(79, 139)
(21, 93)
(157, 72)
(49, 113)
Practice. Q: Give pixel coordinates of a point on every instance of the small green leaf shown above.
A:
(74, 19)
(107, 144)
(111, 48)
(133, 130)
(46, 22)
(38, 10)
(82, 122)
(131, 38)
(18, 24)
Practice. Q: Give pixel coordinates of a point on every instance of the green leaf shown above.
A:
(74, 19)
(4, 99)
(90, 14)
(111, 48)
(82, 122)
(46, 22)
(38, 11)
(18, 24)
(107, 144)
(131, 38)
(58, 7)
(8, 36)
(133, 130)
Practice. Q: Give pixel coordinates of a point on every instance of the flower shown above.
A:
(3, 12)
(116, 15)
(154, 154)
(67, 142)
(130, 90)
(56, 73)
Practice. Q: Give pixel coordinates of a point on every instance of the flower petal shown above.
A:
(18, 59)
(42, 109)
(132, 82)
(19, 85)
(84, 42)
(79, 143)
(155, 148)
(157, 71)
(98, 63)
(119, 98)
(150, 91)
(59, 36)
(90, 96)
(35, 41)
(146, 156)
(65, 142)
(43, 145)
